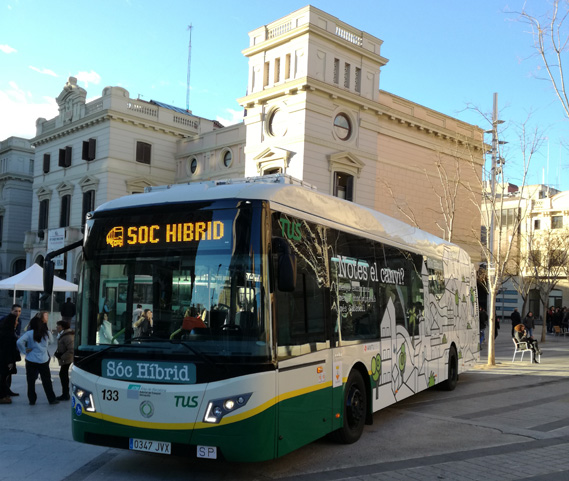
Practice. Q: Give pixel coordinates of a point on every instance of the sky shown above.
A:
(448, 55)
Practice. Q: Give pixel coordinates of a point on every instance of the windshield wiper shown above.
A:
(198, 353)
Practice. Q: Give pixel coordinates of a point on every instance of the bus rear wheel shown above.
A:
(355, 410)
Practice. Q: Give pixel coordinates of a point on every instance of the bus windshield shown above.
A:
(167, 280)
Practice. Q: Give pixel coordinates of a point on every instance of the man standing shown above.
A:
(516, 319)
(8, 357)
(67, 310)
(483, 316)
(137, 313)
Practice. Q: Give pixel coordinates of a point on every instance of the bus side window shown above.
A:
(302, 314)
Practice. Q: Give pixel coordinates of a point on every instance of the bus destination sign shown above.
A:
(121, 236)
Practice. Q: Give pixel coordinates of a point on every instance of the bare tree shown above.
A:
(445, 177)
(504, 244)
(550, 33)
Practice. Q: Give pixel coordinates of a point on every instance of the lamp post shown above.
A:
(494, 151)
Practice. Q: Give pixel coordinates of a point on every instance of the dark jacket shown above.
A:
(9, 352)
(516, 318)
(65, 343)
(529, 322)
(68, 309)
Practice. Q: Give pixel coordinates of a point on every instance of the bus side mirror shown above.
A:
(286, 265)
(48, 273)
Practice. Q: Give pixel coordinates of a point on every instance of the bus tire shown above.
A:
(355, 410)
(452, 379)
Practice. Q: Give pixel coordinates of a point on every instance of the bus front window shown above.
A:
(204, 293)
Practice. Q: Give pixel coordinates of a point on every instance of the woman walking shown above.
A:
(33, 344)
(64, 355)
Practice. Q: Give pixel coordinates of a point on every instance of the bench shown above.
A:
(522, 348)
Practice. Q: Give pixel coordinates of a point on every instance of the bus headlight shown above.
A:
(217, 408)
(84, 397)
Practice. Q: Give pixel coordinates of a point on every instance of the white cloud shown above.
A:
(7, 49)
(88, 77)
(44, 71)
(234, 117)
(20, 112)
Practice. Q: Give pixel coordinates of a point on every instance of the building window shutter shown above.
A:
(89, 149)
(143, 151)
(64, 215)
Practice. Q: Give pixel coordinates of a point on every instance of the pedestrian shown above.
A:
(521, 335)
(33, 344)
(496, 325)
(516, 319)
(16, 310)
(9, 356)
(105, 332)
(145, 324)
(529, 323)
(137, 313)
(64, 355)
(483, 317)
(68, 311)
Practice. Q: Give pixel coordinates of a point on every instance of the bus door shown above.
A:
(304, 398)
(304, 383)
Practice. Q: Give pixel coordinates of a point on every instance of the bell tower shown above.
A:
(313, 93)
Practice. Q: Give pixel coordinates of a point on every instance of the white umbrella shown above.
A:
(32, 280)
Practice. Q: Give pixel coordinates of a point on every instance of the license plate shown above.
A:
(207, 452)
(150, 446)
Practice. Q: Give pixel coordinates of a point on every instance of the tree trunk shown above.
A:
(491, 322)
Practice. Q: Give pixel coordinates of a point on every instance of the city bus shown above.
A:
(314, 313)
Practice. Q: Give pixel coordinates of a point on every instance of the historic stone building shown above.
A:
(16, 175)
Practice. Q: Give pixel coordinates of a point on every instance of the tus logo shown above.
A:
(146, 409)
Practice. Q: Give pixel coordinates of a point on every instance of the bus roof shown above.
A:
(286, 193)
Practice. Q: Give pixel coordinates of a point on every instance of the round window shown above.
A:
(277, 123)
(342, 127)
(227, 158)
(193, 166)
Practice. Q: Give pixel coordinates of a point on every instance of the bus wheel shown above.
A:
(452, 379)
(355, 410)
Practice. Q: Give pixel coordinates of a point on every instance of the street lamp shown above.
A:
(494, 152)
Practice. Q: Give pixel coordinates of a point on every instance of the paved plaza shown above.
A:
(501, 423)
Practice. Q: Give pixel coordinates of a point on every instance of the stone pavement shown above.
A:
(512, 422)
(529, 400)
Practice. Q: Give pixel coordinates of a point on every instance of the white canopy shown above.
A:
(32, 280)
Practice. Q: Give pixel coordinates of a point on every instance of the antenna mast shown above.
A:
(189, 68)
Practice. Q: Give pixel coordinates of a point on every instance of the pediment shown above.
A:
(88, 183)
(44, 193)
(138, 185)
(65, 188)
(273, 158)
(273, 153)
(345, 162)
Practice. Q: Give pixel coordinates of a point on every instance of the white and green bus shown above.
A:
(314, 313)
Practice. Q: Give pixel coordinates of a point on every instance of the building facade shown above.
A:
(16, 176)
(539, 246)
